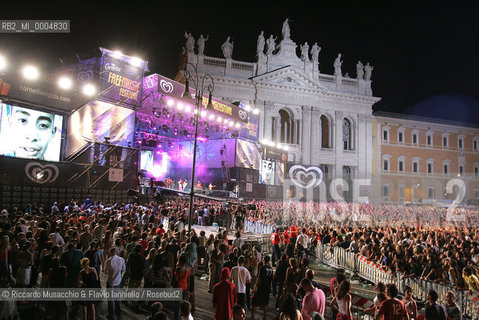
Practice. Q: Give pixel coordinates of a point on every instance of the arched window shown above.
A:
(325, 132)
(287, 127)
(347, 134)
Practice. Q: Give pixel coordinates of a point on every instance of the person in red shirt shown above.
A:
(224, 296)
(294, 234)
(143, 242)
(286, 237)
(160, 231)
(275, 240)
(392, 308)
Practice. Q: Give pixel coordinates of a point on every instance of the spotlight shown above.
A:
(179, 106)
(196, 111)
(89, 89)
(219, 119)
(117, 54)
(237, 125)
(170, 103)
(226, 121)
(30, 72)
(211, 117)
(188, 109)
(231, 123)
(65, 83)
(286, 148)
(203, 113)
(3, 63)
(256, 111)
(136, 62)
(248, 108)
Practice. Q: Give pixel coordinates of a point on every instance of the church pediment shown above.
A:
(289, 76)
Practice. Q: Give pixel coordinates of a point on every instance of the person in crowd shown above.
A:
(380, 287)
(434, 310)
(409, 303)
(453, 311)
(224, 297)
(114, 268)
(392, 308)
(289, 308)
(275, 243)
(314, 300)
(238, 312)
(240, 276)
(343, 300)
(71, 260)
(88, 278)
(185, 310)
(262, 288)
(279, 278)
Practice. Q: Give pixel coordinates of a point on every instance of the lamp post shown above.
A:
(199, 91)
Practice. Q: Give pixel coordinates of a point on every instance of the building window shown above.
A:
(401, 166)
(347, 134)
(415, 167)
(284, 133)
(475, 145)
(386, 134)
(446, 169)
(445, 141)
(461, 170)
(386, 164)
(325, 132)
(476, 172)
(429, 139)
(414, 138)
(429, 167)
(476, 193)
(460, 143)
(400, 137)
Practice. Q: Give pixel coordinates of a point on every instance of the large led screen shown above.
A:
(267, 172)
(28, 133)
(99, 120)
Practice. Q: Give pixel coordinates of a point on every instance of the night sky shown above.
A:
(425, 53)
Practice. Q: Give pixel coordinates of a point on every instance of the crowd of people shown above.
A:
(147, 245)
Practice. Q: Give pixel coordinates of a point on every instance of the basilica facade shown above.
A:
(321, 119)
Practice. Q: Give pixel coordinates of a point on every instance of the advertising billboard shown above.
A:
(121, 80)
(30, 134)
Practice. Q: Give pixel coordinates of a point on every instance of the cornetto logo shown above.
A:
(166, 86)
(243, 115)
(41, 173)
(112, 67)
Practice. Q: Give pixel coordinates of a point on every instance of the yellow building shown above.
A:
(416, 158)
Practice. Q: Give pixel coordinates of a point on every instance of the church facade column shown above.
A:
(315, 136)
(338, 144)
(306, 135)
(268, 123)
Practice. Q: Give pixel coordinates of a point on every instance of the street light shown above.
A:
(199, 91)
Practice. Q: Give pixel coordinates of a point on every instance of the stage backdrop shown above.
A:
(97, 120)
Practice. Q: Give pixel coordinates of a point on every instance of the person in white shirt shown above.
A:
(240, 276)
(114, 268)
(303, 239)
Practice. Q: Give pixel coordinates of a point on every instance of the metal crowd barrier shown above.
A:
(256, 226)
(358, 265)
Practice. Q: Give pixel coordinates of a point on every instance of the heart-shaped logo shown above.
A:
(85, 76)
(39, 173)
(243, 115)
(166, 86)
(306, 177)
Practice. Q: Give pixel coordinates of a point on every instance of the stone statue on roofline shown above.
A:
(315, 49)
(304, 52)
(368, 69)
(260, 43)
(271, 45)
(201, 44)
(360, 70)
(227, 48)
(190, 42)
(337, 66)
(286, 32)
